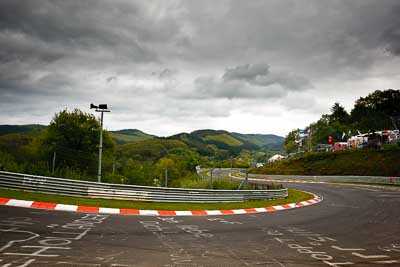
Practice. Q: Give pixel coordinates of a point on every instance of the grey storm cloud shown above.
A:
(246, 72)
(249, 81)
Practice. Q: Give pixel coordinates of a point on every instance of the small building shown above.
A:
(259, 165)
(275, 158)
(338, 146)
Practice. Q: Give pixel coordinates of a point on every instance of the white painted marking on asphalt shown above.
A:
(239, 211)
(65, 207)
(109, 210)
(387, 262)
(213, 212)
(347, 249)
(149, 212)
(19, 203)
(369, 256)
(183, 213)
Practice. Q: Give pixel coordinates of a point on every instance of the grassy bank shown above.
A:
(351, 162)
(294, 196)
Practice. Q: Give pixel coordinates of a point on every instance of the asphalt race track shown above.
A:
(352, 226)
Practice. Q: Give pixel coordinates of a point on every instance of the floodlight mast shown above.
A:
(100, 108)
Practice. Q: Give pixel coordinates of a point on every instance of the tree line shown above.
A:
(379, 110)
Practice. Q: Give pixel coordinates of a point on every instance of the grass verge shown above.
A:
(294, 196)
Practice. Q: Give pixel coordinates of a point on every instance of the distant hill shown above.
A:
(8, 129)
(206, 142)
(212, 142)
(129, 135)
(264, 141)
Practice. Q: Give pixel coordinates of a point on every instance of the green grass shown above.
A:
(294, 196)
(384, 162)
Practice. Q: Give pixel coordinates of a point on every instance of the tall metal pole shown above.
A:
(166, 177)
(211, 178)
(230, 174)
(54, 162)
(100, 148)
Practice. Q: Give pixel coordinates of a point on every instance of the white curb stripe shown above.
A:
(149, 212)
(261, 209)
(19, 203)
(213, 212)
(66, 207)
(239, 211)
(109, 210)
(183, 213)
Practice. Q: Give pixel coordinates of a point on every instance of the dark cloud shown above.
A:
(246, 72)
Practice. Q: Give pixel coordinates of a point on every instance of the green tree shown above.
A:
(373, 112)
(74, 136)
(339, 114)
(172, 168)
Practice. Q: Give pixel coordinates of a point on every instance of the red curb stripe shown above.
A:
(270, 209)
(286, 206)
(129, 212)
(43, 205)
(199, 212)
(166, 213)
(227, 212)
(88, 209)
(299, 204)
(250, 210)
(4, 200)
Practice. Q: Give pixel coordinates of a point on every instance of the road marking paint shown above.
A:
(227, 212)
(199, 212)
(88, 209)
(19, 203)
(148, 212)
(369, 256)
(250, 210)
(129, 212)
(4, 200)
(347, 249)
(183, 213)
(213, 212)
(387, 262)
(167, 213)
(109, 210)
(65, 207)
(261, 209)
(239, 211)
(43, 205)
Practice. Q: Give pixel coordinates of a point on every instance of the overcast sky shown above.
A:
(166, 67)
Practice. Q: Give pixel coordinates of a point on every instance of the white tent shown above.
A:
(275, 157)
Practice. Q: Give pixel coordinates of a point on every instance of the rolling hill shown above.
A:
(212, 142)
(27, 128)
(129, 135)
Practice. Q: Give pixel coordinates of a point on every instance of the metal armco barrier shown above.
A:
(130, 192)
(329, 178)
